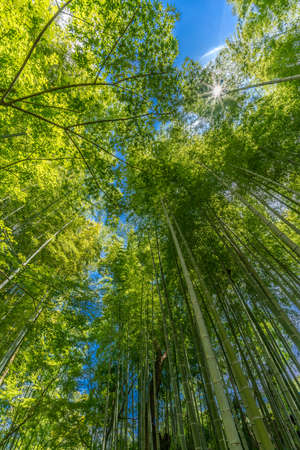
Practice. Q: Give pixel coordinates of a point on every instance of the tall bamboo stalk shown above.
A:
(228, 421)
(253, 412)
(260, 286)
(174, 386)
(25, 263)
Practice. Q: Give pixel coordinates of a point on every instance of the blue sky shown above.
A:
(203, 27)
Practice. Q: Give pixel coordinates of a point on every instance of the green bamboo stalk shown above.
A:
(292, 277)
(274, 230)
(25, 263)
(189, 399)
(276, 213)
(199, 443)
(279, 408)
(217, 433)
(177, 407)
(116, 412)
(228, 421)
(260, 286)
(106, 407)
(156, 412)
(273, 355)
(277, 278)
(265, 179)
(264, 267)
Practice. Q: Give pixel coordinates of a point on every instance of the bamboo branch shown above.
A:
(7, 136)
(103, 149)
(87, 165)
(78, 85)
(116, 44)
(37, 116)
(36, 159)
(119, 119)
(251, 86)
(32, 49)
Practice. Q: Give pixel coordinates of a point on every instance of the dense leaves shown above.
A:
(149, 230)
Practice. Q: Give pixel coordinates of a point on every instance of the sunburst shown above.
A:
(217, 91)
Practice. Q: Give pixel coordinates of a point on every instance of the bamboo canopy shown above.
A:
(149, 230)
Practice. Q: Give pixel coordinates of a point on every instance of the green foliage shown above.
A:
(95, 308)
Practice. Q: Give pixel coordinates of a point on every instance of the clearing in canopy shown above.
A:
(149, 229)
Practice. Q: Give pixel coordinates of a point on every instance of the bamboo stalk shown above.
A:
(228, 421)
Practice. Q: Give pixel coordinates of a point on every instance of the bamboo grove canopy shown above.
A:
(149, 230)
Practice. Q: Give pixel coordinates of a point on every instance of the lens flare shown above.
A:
(217, 91)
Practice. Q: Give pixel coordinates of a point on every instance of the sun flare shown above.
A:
(217, 91)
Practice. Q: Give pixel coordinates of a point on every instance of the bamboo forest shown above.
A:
(149, 229)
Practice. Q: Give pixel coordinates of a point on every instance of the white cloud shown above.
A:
(212, 53)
